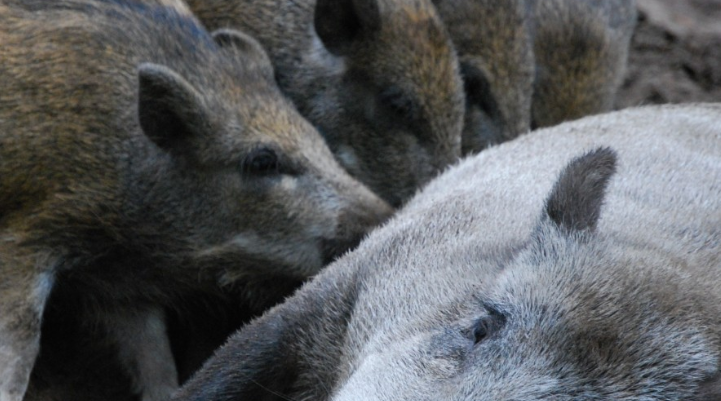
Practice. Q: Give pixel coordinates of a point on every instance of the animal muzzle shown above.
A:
(353, 226)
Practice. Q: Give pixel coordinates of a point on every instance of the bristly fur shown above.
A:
(529, 63)
(575, 201)
(124, 134)
(378, 78)
(581, 51)
(475, 291)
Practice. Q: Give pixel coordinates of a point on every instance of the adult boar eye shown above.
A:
(488, 325)
(261, 161)
(481, 329)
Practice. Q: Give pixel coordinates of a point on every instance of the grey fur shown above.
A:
(379, 78)
(536, 63)
(474, 292)
(141, 161)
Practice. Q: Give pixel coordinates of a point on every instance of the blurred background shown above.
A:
(675, 55)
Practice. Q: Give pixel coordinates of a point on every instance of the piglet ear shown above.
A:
(247, 45)
(575, 201)
(170, 110)
(709, 390)
(340, 22)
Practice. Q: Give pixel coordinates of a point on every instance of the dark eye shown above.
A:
(261, 161)
(394, 101)
(481, 329)
(488, 325)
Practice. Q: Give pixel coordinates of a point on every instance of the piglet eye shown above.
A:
(395, 101)
(261, 161)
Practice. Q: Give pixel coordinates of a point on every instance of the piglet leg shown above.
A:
(144, 350)
(26, 278)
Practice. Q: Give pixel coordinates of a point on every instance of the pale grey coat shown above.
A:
(477, 291)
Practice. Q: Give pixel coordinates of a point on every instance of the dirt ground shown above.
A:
(675, 55)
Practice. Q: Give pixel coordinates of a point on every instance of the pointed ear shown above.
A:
(709, 390)
(246, 44)
(576, 199)
(340, 22)
(170, 110)
(273, 356)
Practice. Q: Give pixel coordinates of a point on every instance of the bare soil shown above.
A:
(675, 55)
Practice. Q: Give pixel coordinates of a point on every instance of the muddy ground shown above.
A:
(676, 53)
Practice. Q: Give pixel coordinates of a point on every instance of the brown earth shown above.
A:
(675, 55)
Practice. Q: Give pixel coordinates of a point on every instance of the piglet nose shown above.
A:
(353, 226)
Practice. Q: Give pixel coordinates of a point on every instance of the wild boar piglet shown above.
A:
(142, 158)
(536, 63)
(378, 78)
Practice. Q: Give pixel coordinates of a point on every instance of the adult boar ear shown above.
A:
(709, 390)
(295, 347)
(340, 22)
(576, 199)
(170, 110)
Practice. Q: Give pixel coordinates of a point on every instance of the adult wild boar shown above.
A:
(378, 78)
(142, 158)
(536, 63)
(579, 263)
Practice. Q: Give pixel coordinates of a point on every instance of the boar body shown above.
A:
(581, 262)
